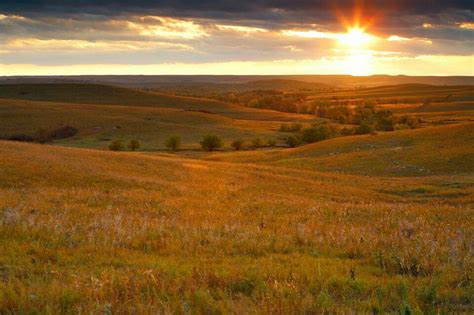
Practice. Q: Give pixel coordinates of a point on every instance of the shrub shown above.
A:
(364, 129)
(257, 142)
(134, 145)
(173, 143)
(20, 137)
(211, 143)
(63, 132)
(293, 141)
(116, 145)
(384, 120)
(271, 142)
(315, 134)
(237, 144)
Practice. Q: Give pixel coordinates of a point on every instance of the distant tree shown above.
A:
(237, 144)
(211, 143)
(271, 142)
(293, 141)
(134, 145)
(384, 120)
(173, 143)
(364, 128)
(315, 134)
(257, 142)
(116, 145)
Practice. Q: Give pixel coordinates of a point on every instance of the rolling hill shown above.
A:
(429, 151)
(81, 229)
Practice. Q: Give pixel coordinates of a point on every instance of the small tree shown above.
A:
(364, 128)
(257, 142)
(211, 143)
(134, 145)
(173, 143)
(271, 142)
(116, 145)
(237, 144)
(293, 141)
(315, 134)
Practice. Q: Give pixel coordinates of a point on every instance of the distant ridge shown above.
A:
(156, 80)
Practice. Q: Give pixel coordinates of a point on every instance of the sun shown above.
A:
(355, 37)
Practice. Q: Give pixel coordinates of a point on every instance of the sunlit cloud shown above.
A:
(241, 29)
(309, 34)
(468, 26)
(427, 25)
(72, 45)
(4, 17)
(166, 27)
(396, 38)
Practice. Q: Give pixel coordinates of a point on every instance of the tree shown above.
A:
(384, 120)
(211, 143)
(237, 144)
(293, 141)
(134, 145)
(173, 143)
(116, 145)
(315, 134)
(364, 128)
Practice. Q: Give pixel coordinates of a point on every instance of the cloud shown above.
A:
(60, 33)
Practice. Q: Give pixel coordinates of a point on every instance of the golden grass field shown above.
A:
(362, 224)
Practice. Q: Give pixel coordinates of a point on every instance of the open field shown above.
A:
(375, 223)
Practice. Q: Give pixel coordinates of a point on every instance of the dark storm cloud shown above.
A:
(227, 9)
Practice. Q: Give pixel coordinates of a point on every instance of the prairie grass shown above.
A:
(84, 231)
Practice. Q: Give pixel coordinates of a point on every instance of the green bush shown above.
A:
(237, 144)
(315, 134)
(293, 141)
(116, 145)
(134, 145)
(173, 143)
(364, 129)
(211, 143)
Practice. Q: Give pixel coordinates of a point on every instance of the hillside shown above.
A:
(113, 95)
(100, 124)
(439, 150)
(81, 229)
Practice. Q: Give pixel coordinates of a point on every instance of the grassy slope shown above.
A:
(151, 125)
(133, 233)
(112, 95)
(420, 152)
(149, 117)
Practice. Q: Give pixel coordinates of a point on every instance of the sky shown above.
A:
(236, 37)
